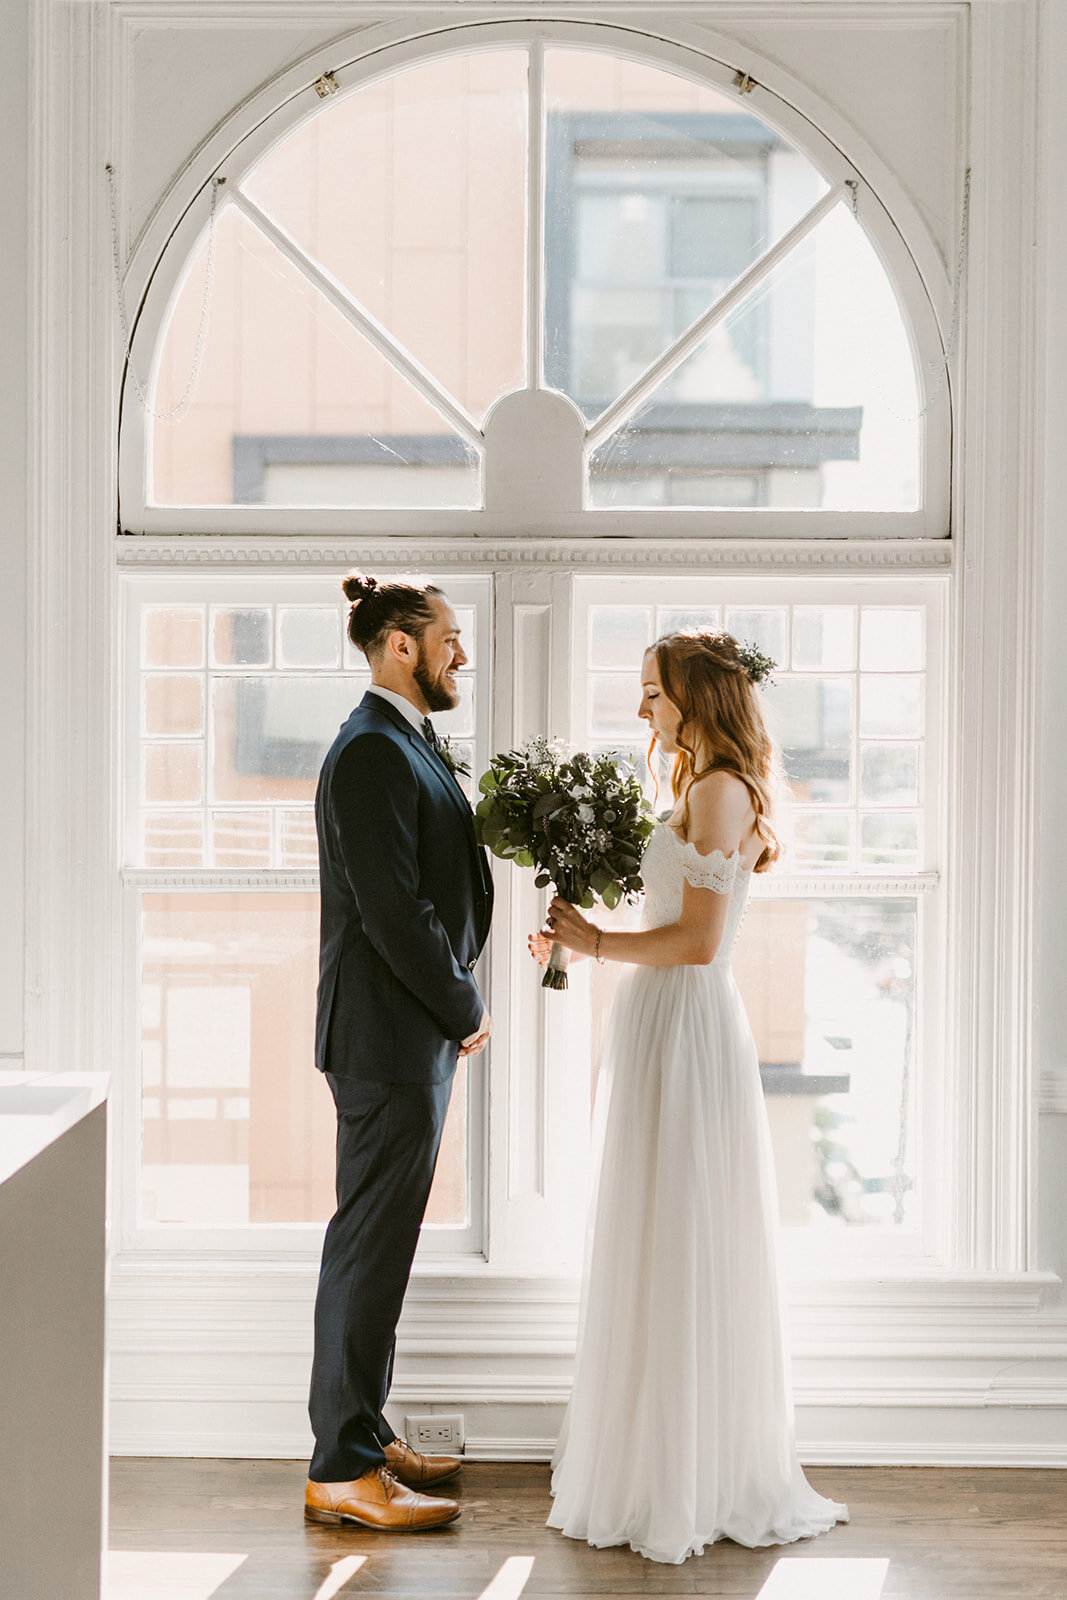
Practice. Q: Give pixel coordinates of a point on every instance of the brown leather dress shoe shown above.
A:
(419, 1472)
(377, 1500)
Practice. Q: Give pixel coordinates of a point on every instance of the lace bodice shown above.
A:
(669, 864)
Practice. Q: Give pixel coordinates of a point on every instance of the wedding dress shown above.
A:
(680, 1426)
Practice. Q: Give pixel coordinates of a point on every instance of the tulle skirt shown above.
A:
(680, 1426)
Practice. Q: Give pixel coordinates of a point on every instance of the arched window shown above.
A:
(524, 276)
(544, 307)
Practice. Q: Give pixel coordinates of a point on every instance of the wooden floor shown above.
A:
(959, 1534)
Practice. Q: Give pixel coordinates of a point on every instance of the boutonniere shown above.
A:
(459, 769)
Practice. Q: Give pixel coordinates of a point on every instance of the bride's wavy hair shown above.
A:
(709, 679)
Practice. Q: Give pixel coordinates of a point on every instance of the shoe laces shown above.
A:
(388, 1482)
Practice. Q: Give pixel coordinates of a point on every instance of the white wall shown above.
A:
(14, 187)
(1050, 1019)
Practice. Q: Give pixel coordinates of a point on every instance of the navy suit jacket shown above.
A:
(406, 899)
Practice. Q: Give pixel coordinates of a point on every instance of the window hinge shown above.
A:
(743, 83)
(326, 85)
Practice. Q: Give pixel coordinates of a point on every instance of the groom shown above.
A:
(406, 904)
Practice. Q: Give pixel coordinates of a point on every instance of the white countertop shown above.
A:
(37, 1108)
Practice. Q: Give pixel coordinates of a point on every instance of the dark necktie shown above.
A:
(431, 735)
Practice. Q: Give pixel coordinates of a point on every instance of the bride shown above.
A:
(680, 1428)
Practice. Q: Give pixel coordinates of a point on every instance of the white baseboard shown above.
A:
(965, 1370)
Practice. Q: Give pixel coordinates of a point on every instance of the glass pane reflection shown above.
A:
(238, 1125)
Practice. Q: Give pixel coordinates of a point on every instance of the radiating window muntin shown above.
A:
(836, 961)
(798, 399)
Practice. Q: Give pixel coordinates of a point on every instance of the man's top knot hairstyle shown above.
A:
(379, 609)
(357, 587)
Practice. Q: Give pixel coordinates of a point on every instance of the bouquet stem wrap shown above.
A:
(556, 972)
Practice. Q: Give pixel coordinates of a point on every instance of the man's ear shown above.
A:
(399, 646)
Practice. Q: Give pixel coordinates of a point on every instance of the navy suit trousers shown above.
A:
(388, 1136)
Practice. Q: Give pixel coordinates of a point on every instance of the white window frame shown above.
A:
(161, 259)
(301, 1240)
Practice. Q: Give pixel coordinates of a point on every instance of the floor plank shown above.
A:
(948, 1534)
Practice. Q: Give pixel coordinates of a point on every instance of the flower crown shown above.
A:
(758, 666)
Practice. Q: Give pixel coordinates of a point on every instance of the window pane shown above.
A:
(309, 636)
(173, 839)
(465, 616)
(822, 839)
(241, 636)
(812, 718)
(809, 383)
(660, 192)
(890, 707)
(172, 636)
(173, 704)
(829, 987)
(270, 734)
(238, 1125)
(891, 640)
(824, 638)
(688, 619)
(412, 193)
(293, 406)
(889, 774)
(614, 699)
(764, 627)
(458, 724)
(173, 773)
(889, 842)
(299, 841)
(241, 838)
(619, 635)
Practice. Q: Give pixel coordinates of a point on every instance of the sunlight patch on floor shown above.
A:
(824, 1578)
(338, 1576)
(167, 1574)
(511, 1580)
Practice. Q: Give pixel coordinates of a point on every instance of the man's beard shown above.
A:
(435, 691)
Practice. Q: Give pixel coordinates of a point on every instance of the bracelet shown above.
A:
(596, 947)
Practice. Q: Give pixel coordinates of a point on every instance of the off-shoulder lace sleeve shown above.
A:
(715, 871)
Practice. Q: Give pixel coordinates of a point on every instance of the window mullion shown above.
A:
(628, 402)
(363, 321)
(535, 212)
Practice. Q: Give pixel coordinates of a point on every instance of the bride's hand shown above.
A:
(565, 925)
(540, 948)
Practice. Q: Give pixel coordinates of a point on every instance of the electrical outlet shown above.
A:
(435, 1434)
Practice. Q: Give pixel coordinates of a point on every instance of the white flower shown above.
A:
(585, 813)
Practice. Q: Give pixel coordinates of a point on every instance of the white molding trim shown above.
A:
(995, 738)
(152, 880)
(920, 1368)
(1052, 1095)
(688, 555)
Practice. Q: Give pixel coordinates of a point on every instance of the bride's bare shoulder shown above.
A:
(719, 807)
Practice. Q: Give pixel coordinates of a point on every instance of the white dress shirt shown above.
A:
(412, 712)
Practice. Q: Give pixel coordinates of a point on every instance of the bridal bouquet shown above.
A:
(581, 820)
